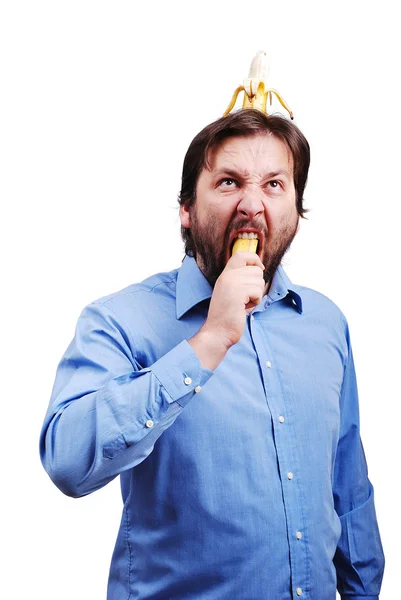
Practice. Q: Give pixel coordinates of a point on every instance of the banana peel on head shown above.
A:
(255, 88)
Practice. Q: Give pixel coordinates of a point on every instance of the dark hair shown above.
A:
(249, 122)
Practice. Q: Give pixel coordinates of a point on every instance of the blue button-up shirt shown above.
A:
(246, 483)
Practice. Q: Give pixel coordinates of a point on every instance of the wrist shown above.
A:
(210, 347)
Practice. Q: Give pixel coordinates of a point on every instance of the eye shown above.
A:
(227, 182)
(274, 183)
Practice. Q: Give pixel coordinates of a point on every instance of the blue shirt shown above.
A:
(246, 483)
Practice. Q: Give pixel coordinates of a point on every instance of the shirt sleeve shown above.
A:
(359, 558)
(106, 412)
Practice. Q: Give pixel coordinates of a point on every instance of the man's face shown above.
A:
(249, 188)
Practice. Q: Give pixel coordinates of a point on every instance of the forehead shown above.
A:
(258, 153)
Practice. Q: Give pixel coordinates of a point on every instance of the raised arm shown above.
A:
(106, 411)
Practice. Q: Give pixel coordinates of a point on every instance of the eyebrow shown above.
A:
(234, 173)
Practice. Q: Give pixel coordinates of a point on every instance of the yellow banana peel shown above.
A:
(256, 92)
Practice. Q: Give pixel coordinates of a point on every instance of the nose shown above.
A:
(251, 203)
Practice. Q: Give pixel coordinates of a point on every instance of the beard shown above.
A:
(210, 250)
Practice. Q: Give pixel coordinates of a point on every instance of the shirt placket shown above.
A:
(288, 464)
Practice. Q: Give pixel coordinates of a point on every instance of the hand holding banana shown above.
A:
(238, 290)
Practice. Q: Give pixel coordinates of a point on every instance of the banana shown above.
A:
(256, 91)
(245, 245)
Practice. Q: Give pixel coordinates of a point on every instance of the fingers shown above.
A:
(242, 259)
(254, 297)
(239, 288)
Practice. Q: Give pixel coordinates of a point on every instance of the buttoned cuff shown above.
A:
(180, 372)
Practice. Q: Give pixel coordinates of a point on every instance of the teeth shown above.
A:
(248, 236)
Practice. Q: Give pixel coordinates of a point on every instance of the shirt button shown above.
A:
(149, 423)
(198, 389)
(299, 535)
(268, 364)
(187, 381)
(299, 591)
(290, 475)
(281, 419)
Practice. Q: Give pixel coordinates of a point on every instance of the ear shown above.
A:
(184, 215)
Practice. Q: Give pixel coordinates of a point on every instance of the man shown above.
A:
(225, 398)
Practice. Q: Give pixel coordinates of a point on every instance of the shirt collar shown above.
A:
(193, 288)
(281, 287)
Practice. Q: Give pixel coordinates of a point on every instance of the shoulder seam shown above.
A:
(112, 297)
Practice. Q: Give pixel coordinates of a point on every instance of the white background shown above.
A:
(99, 102)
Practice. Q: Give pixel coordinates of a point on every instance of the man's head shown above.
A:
(244, 172)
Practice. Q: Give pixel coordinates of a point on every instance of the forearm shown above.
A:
(106, 412)
(359, 559)
(90, 440)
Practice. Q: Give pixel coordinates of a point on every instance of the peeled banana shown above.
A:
(244, 245)
(256, 91)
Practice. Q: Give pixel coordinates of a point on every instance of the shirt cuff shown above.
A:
(180, 372)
